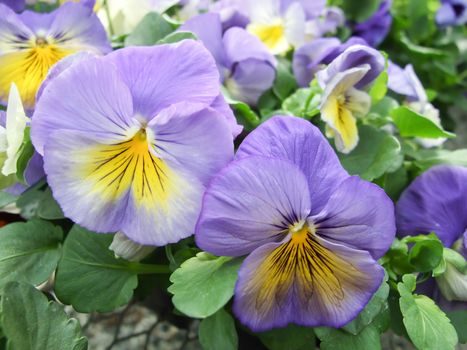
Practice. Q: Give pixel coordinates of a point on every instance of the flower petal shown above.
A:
(300, 142)
(100, 102)
(312, 283)
(162, 75)
(435, 201)
(360, 215)
(250, 202)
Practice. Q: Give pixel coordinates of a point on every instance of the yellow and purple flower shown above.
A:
(344, 97)
(134, 148)
(31, 43)
(312, 233)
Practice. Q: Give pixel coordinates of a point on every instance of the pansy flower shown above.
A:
(314, 56)
(344, 99)
(436, 201)
(134, 148)
(312, 233)
(246, 67)
(31, 43)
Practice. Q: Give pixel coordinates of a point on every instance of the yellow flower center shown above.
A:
(129, 165)
(272, 35)
(28, 67)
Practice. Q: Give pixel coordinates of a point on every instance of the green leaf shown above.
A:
(89, 277)
(412, 124)
(379, 88)
(425, 159)
(427, 326)
(303, 103)
(376, 153)
(394, 182)
(292, 337)
(359, 10)
(176, 37)
(285, 83)
(31, 322)
(426, 255)
(332, 339)
(459, 320)
(6, 198)
(244, 114)
(204, 284)
(377, 305)
(218, 332)
(152, 28)
(25, 153)
(29, 251)
(38, 202)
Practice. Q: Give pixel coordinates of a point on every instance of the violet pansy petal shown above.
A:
(11, 30)
(220, 105)
(273, 289)
(194, 137)
(360, 215)
(249, 203)
(250, 79)
(354, 56)
(303, 144)
(61, 66)
(208, 28)
(435, 202)
(241, 45)
(162, 75)
(35, 169)
(67, 154)
(15, 5)
(77, 28)
(98, 105)
(307, 59)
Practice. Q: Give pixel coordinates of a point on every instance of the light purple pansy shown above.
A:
(31, 43)
(311, 57)
(436, 201)
(312, 233)
(134, 148)
(246, 67)
(231, 12)
(375, 29)
(452, 13)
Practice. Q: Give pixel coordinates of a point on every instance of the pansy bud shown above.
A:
(453, 282)
(125, 248)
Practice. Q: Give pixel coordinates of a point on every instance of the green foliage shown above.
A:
(176, 37)
(38, 202)
(285, 83)
(412, 124)
(292, 337)
(152, 28)
(204, 284)
(331, 339)
(31, 322)
(426, 255)
(427, 326)
(218, 332)
(244, 114)
(376, 306)
(29, 251)
(90, 277)
(376, 153)
(459, 320)
(304, 102)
